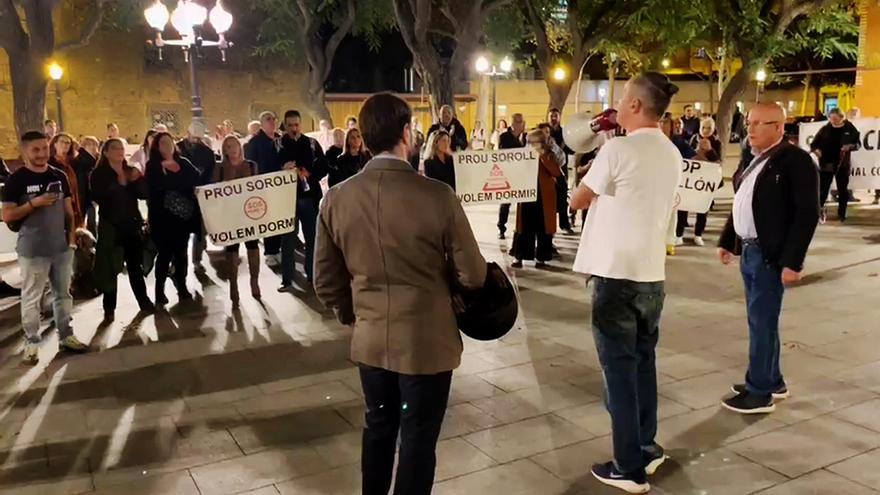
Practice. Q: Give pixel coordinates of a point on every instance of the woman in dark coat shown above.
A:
(352, 159)
(440, 165)
(173, 211)
(536, 222)
(116, 187)
(63, 149)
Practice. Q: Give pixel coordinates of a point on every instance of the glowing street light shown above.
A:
(560, 74)
(761, 75)
(486, 68)
(665, 63)
(188, 18)
(56, 72)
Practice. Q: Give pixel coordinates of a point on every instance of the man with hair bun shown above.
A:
(630, 192)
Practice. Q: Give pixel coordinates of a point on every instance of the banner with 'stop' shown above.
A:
(251, 208)
(696, 189)
(496, 177)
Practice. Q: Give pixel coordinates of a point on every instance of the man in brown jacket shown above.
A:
(389, 246)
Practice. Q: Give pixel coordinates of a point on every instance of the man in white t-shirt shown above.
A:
(630, 191)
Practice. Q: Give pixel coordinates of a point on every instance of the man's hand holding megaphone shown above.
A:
(583, 134)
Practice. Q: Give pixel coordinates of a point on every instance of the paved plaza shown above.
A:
(204, 400)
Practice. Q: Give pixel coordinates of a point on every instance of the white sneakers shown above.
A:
(699, 241)
(679, 241)
(31, 355)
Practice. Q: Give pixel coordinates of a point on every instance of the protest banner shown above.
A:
(246, 209)
(496, 177)
(696, 189)
(865, 170)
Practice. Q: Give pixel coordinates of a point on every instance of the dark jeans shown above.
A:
(133, 252)
(562, 202)
(841, 177)
(626, 327)
(503, 215)
(307, 216)
(764, 290)
(272, 245)
(414, 405)
(171, 247)
(699, 228)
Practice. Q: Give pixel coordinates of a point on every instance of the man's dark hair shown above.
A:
(544, 125)
(30, 136)
(656, 92)
(292, 113)
(352, 119)
(554, 109)
(688, 106)
(382, 121)
(111, 124)
(48, 121)
(836, 111)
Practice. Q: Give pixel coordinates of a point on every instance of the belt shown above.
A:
(751, 242)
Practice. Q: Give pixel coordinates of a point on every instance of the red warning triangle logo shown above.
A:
(496, 181)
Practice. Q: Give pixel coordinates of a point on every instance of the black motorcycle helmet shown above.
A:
(488, 313)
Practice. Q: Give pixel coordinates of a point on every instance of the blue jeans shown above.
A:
(626, 327)
(36, 272)
(307, 216)
(764, 290)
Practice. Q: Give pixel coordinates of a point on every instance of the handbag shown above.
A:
(178, 204)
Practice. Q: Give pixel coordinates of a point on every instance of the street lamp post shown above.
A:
(761, 78)
(187, 19)
(483, 67)
(56, 73)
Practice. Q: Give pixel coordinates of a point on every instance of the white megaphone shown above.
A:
(579, 134)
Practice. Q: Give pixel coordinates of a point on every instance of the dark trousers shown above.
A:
(272, 245)
(562, 202)
(764, 290)
(841, 178)
(503, 215)
(307, 216)
(533, 242)
(626, 327)
(133, 252)
(414, 406)
(680, 224)
(171, 247)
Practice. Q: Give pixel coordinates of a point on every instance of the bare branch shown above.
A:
(88, 29)
(38, 15)
(539, 26)
(790, 12)
(447, 12)
(341, 32)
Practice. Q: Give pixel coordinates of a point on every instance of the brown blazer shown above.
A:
(548, 171)
(389, 243)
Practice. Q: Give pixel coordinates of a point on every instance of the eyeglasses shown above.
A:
(756, 124)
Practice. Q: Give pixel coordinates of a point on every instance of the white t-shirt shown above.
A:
(635, 178)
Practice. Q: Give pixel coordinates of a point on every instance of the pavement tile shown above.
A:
(177, 483)
(257, 470)
(594, 417)
(707, 429)
(462, 419)
(456, 457)
(345, 480)
(534, 401)
(862, 469)
(322, 394)
(719, 471)
(817, 397)
(526, 438)
(864, 414)
(818, 483)
(535, 374)
(258, 433)
(517, 478)
(793, 450)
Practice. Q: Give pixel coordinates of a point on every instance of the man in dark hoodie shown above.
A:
(450, 124)
(303, 154)
(194, 149)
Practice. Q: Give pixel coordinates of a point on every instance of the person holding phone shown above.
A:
(37, 203)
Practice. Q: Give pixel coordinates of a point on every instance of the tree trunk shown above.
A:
(28, 90)
(316, 98)
(441, 88)
(735, 87)
(808, 83)
(559, 92)
(612, 77)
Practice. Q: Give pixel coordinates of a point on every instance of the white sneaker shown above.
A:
(31, 355)
(699, 241)
(273, 260)
(679, 241)
(72, 344)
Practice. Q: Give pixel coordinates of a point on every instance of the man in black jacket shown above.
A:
(513, 137)
(450, 124)
(775, 212)
(262, 148)
(83, 165)
(194, 149)
(832, 147)
(554, 118)
(303, 154)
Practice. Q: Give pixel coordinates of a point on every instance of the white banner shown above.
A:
(869, 133)
(496, 177)
(699, 181)
(246, 209)
(865, 173)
